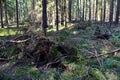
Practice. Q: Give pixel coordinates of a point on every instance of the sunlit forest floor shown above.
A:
(83, 56)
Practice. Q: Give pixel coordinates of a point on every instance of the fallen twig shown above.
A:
(4, 59)
(112, 52)
(95, 55)
(18, 41)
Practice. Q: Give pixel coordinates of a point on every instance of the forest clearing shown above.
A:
(60, 40)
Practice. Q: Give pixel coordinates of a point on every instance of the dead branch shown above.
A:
(95, 55)
(4, 59)
(18, 41)
(112, 52)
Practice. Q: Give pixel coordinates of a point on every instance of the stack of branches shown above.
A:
(39, 49)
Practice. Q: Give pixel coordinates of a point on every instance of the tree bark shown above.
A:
(62, 11)
(117, 12)
(96, 12)
(78, 10)
(6, 17)
(17, 17)
(85, 18)
(69, 9)
(65, 15)
(83, 10)
(104, 14)
(93, 9)
(111, 11)
(101, 10)
(1, 14)
(89, 9)
(57, 17)
(44, 16)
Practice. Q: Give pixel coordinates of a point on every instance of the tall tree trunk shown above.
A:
(117, 12)
(80, 9)
(93, 1)
(96, 12)
(1, 14)
(89, 9)
(62, 11)
(77, 10)
(101, 11)
(6, 18)
(57, 16)
(17, 17)
(111, 11)
(83, 10)
(69, 9)
(86, 9)
(65, 14)
(44, 16)
(104, 14)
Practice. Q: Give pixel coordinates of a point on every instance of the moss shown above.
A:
(5, 31)
(96, 74)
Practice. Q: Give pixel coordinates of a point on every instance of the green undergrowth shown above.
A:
(5, 32)
(83, 65)
(12, 31)
(97, 68)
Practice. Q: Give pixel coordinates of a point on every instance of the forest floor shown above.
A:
(93, 58)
